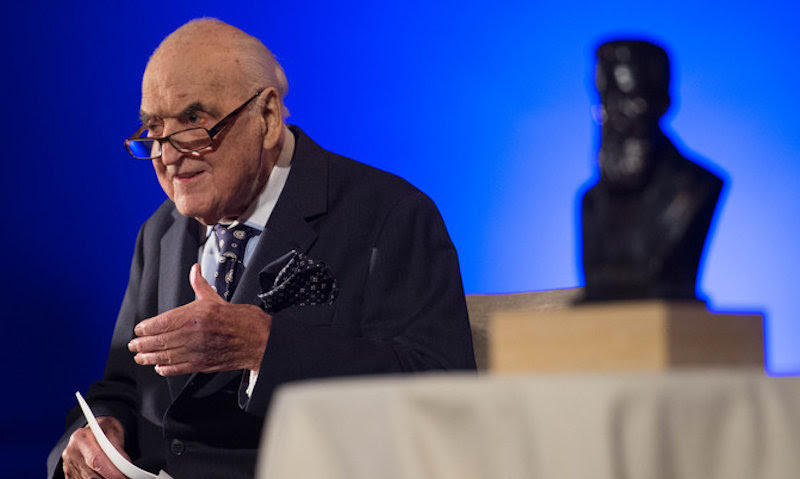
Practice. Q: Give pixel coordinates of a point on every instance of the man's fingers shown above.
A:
(155, 325)
(170, 356)
(206, 335)
(175, 369)
(171, 320)
(175, 318)
(158, 342)
(91, 460)
(201, 288)
(81, 471)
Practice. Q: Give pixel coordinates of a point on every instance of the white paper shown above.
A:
(114, 456)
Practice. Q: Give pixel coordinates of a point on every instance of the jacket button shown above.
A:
(177, 447)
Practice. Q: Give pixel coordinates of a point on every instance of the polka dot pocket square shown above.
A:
(301, 282)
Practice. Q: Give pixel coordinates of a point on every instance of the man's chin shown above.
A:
(203, 215)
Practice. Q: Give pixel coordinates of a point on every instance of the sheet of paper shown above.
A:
(124, 466)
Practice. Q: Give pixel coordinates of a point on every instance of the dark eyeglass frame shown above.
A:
(211, 132)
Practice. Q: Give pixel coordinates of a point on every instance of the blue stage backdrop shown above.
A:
(483, 105)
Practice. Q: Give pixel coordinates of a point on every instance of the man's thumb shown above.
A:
(201, 288)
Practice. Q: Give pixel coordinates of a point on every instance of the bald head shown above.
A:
(248, 65)
(203, 73)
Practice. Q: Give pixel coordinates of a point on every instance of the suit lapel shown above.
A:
(179, 250)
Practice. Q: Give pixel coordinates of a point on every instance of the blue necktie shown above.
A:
(231, 242)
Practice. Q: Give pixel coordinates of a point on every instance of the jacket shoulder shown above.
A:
(352, 178)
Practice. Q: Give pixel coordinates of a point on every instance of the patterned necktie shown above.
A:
(231, 242)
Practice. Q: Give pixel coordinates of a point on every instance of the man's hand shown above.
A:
(83, 458)
(206, 335)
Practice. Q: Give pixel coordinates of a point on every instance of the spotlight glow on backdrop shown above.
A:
(483, 105)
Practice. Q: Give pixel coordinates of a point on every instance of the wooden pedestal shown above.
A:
(629, 335)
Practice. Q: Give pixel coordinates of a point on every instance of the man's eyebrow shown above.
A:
(144, 117)
(193, 107)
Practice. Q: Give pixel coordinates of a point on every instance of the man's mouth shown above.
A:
(186, 177)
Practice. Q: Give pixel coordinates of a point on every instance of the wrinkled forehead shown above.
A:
(180, 74)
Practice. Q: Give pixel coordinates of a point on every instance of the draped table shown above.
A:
(723, 423)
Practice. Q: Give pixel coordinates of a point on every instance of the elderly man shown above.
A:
(272, 261)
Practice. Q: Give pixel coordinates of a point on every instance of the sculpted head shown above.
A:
(632, 79)
(199, 74)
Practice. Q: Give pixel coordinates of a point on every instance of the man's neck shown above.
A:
(258, 212)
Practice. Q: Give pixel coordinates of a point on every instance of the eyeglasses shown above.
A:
(142, 147)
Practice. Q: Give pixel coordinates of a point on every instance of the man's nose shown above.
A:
(169, 154)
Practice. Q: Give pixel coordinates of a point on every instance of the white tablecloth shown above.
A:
(703, 424)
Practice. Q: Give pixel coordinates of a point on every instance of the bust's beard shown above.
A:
(625, 163)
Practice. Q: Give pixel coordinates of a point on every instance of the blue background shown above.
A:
(486, 106)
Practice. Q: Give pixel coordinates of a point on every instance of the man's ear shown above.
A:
(272, 118)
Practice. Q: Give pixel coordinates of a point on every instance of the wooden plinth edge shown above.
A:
(629, 335)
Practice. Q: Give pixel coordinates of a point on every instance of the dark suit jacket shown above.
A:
(400, 308)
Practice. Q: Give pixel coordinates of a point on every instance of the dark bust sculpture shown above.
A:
(645, 221)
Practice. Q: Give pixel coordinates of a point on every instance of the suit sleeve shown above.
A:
(115, 395)
(414, 315)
